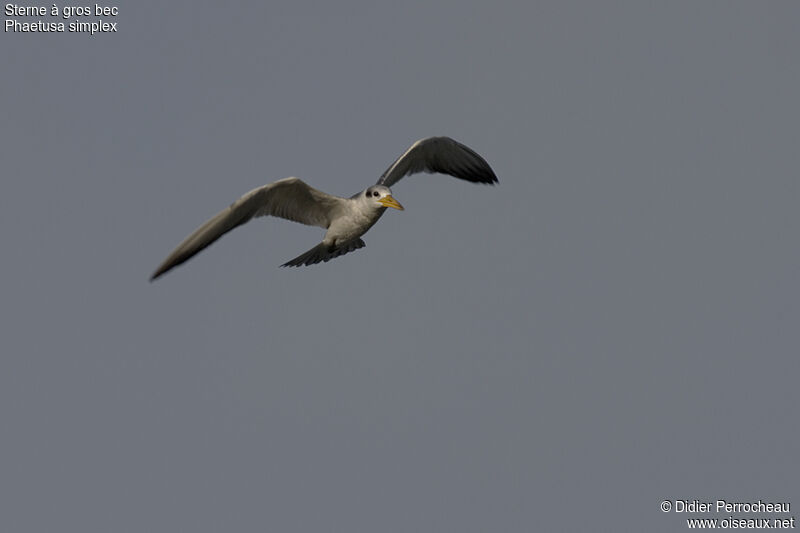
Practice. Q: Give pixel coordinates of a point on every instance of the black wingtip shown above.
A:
(321, 253)
(478, 170)
(491, 180)
(160, 271)
(483, 175)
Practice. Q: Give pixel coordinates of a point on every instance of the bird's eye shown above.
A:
(376, 194)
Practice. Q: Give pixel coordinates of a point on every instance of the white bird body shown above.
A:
(346, 219)
(352, 218)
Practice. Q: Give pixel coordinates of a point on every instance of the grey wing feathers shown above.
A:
(443, 155)
(294, 199)
(289, 198)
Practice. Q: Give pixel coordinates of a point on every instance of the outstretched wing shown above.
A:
(289, 198)
(443, 155)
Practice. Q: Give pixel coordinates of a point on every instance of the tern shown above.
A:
(346, 219)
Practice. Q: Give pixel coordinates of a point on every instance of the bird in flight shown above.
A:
(346, 219)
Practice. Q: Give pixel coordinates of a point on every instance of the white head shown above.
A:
(381, 196)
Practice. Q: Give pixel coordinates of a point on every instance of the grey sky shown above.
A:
(614, 324)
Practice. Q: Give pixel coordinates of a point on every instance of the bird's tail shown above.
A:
(322, 253)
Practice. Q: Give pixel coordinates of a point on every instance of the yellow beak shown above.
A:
(388, 201)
